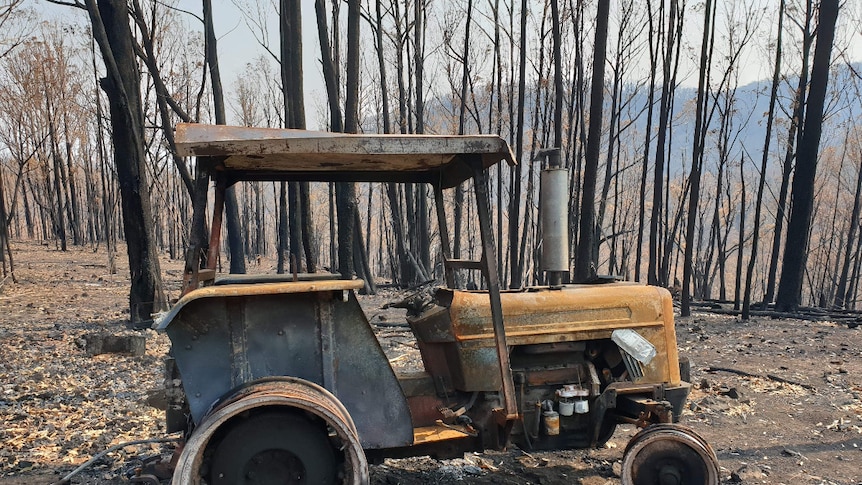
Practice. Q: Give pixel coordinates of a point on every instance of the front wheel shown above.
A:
(669, 454)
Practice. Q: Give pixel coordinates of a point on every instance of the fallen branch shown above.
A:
(66, 480)
(394, 324)
(848, 317)
(771, 377)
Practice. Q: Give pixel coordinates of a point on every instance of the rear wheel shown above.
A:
(279, 429)
(274, 448)
(668, 454)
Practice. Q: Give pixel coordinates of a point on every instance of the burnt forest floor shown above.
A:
(798, 422)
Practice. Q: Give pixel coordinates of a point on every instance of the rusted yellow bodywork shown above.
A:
(460, 326)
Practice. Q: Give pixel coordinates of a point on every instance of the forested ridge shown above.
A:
(693, 152)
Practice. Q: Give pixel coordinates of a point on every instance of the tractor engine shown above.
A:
(583, 358)
(557, 386)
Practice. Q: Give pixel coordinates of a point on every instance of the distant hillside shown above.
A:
(749, 123)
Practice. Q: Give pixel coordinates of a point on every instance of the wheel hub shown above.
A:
(274, 466)
(274, 448)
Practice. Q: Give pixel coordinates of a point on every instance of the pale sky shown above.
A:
(237, 44)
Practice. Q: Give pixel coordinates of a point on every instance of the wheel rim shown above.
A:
(669, 455)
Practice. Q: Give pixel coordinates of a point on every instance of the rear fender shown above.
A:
(225, 337)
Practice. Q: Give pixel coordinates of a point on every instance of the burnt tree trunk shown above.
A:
(423, 227)
(793, 137)
(755, 236)
(299, 198)
(697, 157)
(840, 295)
(796, 245)
(110, 22)
(653, 55)
(458, 211)
(655, 273)
(404, 273)
(515, 265)
(4, 234)
(585, 266)
(231, 206)
(345, 192)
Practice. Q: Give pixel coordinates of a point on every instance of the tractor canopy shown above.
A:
(298, 155)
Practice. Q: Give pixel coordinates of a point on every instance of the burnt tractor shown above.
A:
(280, 378)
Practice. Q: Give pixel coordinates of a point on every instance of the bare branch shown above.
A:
(73, 3)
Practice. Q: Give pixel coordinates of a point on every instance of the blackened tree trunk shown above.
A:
(345, 193)
(301, 236)
(737, 292)
(516, 273)
(423, 227)
(700, 128)
(4, 234)
(793, 136)
(336, 123)
(59, 219)
(329, 68)
(231, 206)
(584, 265)
(404, 274)
(654, 274)
(653, 47)
(457, 213)
(840, 295)
(110, 22)
(755, 236)
(796, 246)
(74, 212)
(282, 227)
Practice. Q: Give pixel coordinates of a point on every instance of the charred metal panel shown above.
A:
(434, 325)
(437, 359)
(282, 337)
(364, 381)
(202, 346)
(226, 339)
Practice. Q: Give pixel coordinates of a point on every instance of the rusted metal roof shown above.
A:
(280, 154)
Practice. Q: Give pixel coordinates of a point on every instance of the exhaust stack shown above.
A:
(555, 218)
